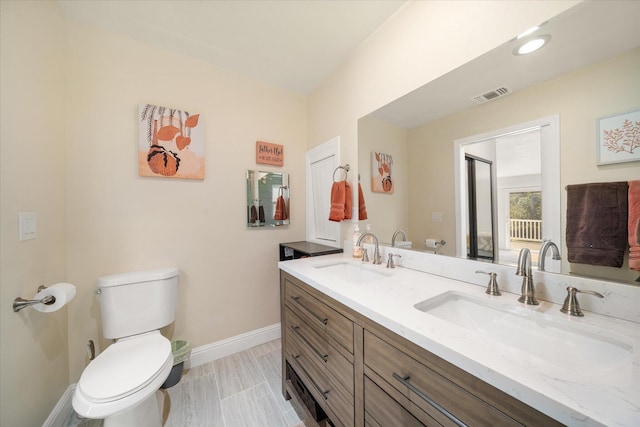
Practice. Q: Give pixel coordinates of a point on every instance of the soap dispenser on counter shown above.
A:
(357, 250)
(368, 239)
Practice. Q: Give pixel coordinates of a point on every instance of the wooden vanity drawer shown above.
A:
(328, 395)
(320, 314)
(320, 352)
(427, 389)
(312, 343)
(382, 410)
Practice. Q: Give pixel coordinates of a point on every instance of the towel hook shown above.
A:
(346, 171)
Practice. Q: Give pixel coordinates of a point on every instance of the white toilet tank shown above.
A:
(137, 302)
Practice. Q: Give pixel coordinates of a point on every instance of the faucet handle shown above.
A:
(390, 263)
(492, 287)
(571, 306)
(365, 255)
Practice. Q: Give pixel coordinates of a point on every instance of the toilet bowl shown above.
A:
(122, 384)
(127, 373)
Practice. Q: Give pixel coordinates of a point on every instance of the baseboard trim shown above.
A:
(60, 414)
(219, 349)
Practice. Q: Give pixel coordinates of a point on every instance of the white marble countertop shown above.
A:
(608, 395)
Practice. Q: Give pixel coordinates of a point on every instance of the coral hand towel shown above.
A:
(634, 225)
(362, 207)
(348, 200)
(281, 210)
(337, 201)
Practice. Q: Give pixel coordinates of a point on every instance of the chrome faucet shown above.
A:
(571, 306)
(546, 244)
(377, 259)
(528, 291)
(390, 263)
(492, 287)
(393, 239)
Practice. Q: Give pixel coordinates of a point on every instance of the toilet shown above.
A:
(122, 384)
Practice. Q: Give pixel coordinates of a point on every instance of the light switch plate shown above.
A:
(27, 225)
(436, 216)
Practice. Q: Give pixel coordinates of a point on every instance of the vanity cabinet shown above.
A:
(433, 390)
(318, 345)
(363, 374)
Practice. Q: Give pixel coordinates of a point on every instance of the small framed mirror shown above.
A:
(268, 196)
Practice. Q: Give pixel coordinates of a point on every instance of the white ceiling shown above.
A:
(588, 33)
(291, 44)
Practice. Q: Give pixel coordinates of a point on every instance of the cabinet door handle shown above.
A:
(324, 357)
(405, 381)
(296, 299)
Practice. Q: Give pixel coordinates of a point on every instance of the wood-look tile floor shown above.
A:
(241, 390)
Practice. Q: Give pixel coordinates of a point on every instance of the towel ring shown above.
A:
(346, 171)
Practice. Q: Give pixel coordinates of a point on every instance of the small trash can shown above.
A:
(181, 351)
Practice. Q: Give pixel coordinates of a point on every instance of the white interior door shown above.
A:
(321, 162)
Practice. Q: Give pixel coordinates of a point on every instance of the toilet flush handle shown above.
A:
(91, 350)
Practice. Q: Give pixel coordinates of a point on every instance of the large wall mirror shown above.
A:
(588, 70)
(267, 199)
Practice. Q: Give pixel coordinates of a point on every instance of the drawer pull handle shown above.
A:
(324, 320)
(324, 357)
(295, 356)
(314, 385)
(405, 381)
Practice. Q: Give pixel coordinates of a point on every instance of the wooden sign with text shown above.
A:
(269, 154)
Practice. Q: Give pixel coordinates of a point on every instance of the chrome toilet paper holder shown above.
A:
(20, 303)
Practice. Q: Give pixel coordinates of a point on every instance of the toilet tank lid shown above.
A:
(136, 277)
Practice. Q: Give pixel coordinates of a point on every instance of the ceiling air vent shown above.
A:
(492, 94)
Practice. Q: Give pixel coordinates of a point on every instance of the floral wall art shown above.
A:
(171, 143)
(619, 138)
(381, 167)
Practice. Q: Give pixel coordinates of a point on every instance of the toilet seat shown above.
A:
(123, 375)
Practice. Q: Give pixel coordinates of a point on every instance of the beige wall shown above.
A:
(70, 95)
(122, 222)
(422, 41)
(580, 98)
(34, 362)
(386, 211)
(75, 119)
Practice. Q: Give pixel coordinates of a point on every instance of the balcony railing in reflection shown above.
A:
(526, 229)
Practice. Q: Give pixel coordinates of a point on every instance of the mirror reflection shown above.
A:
(575, 82)
(479, 213)
(267, 199)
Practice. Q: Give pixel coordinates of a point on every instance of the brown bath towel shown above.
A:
(634, 225)
(597, 223)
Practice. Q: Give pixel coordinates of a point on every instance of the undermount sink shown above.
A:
(560, 342)
(352, 272)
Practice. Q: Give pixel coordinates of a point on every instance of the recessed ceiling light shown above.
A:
(526, 33)
(531, 45)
